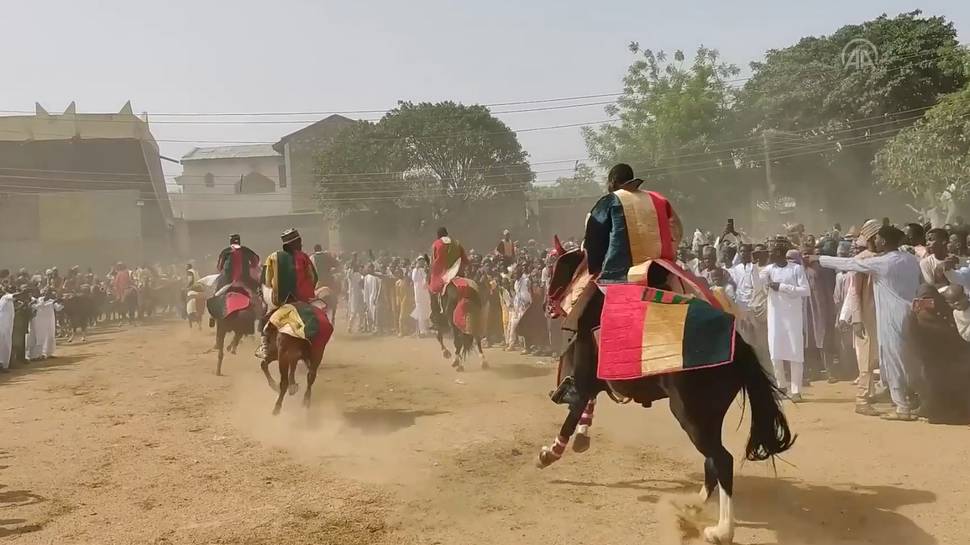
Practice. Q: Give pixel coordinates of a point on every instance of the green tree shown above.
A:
(916, 60)
(459, 153)
(670, 117)
(931, 159)
(362, 170)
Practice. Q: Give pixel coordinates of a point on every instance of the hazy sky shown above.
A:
(302, 55)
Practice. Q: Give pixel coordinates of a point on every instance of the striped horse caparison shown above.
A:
(698, 398)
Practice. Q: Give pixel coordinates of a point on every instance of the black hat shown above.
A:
(234, 238)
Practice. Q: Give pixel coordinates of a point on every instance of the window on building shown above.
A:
(210, 180)
(255, 182)
(282, 176)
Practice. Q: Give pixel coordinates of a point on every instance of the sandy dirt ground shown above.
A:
(131, 438)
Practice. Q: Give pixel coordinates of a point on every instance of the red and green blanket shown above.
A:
(304, 321)
(646, 331)
(223, 305)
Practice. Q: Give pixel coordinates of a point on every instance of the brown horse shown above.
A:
(289, 349)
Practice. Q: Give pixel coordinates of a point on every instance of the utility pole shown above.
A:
(772, 213)
(768, 180)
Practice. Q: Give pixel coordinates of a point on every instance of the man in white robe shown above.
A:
(6, 330)
(896, 277)
(787, 290)
(356, 313)
(372, 293)
(43, 329)
(422, 298)
(521, 299)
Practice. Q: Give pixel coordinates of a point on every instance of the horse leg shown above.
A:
(220, 342)
(581, 444)
(311, 375)
(702, 418)
(551, 454)
(460, 350)
(236, 337)
(441, 342)
(294, 387)
(481, 354)
(284, 380)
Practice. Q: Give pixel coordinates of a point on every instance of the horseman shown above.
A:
(238, 267)
(631, 237)
(448, 259)
(288, 276)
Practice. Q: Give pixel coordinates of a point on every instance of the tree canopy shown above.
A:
(445, 154)
(931, 160)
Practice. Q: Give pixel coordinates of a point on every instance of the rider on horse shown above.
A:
(288, 276)
(631, 237)
(238, 266)
(448, 259)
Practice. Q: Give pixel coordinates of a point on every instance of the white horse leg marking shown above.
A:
(723, 533)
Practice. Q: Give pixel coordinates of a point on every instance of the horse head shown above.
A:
(566, 266)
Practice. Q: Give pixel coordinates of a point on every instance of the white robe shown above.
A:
(43, 329)
(355, 294)
(372, 291)
(786, 333)
(896, 278)
(422, 298)
(6, 329)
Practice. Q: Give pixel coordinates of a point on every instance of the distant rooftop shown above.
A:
(230, 152)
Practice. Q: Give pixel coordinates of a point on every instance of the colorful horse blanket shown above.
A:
(303, 321)
(469, 315)
(646, 331)
(224, 304)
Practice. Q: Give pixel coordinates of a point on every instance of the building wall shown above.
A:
(90, 229)
(301, 150)
(223, 201)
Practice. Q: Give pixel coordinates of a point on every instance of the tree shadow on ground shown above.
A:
(801, 513)
(19, 371)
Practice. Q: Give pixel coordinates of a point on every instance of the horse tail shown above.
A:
(770, 434)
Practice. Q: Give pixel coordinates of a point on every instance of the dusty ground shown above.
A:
(130, 438)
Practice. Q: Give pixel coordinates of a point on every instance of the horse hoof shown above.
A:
(293, 389)
(446, 354)
(460, 368)
(276, 411)
(712, 534)
(581, 443)
(484, 364)
(546, 458)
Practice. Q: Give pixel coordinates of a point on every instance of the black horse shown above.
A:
(699, 399)
(442, 320)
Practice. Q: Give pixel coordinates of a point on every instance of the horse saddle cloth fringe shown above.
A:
(646, 331)
(303, 321)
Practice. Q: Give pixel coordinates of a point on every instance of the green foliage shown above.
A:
(670, 113)
(444, 154)
(582, 183)
(931, 160)
(807, 85)
(362, 169)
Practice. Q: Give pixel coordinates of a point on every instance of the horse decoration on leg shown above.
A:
(296, 332)
(651, 331)
(461, 310)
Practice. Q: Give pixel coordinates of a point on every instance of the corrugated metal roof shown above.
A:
(230, 152)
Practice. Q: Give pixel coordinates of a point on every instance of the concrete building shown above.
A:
(83, 189)
(299, 150)
(231, 182)
(238, 189)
